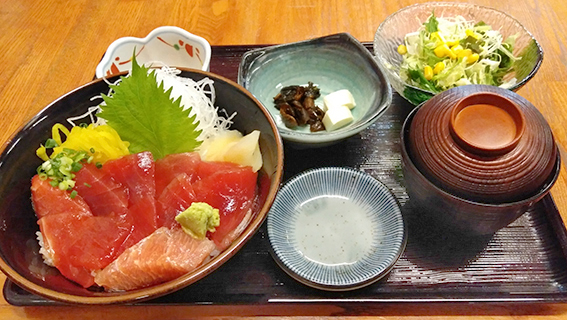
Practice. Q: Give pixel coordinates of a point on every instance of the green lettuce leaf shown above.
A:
(527, 60)
(432, 24)
(143, 114)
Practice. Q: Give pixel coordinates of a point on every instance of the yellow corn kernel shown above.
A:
(428, 72)
(452, 43)
(436, 36)
(465, 53)
(442, 51)
(472, 58)
(457, 48)
(439, 66)
(473, 34)
(402, 49)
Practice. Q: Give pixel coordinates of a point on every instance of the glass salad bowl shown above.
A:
(417, 85)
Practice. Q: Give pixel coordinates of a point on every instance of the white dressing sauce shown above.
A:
(333, 230)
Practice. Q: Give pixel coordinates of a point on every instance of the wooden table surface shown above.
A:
(50, 47)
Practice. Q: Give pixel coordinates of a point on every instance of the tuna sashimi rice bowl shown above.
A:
(136, 186)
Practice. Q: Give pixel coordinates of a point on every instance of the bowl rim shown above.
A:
(155, 291)
(390, 73)
(100, 68)
(324, 137)
(397, 251)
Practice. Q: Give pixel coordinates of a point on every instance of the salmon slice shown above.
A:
(102, 193)
(47, 200)
(175, 198)
(163, 256)
(170, 166)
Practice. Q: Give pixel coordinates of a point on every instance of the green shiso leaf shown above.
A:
(143, 114)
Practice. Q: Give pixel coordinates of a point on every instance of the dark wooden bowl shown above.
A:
(483, 143)
(21, 261)
(461, 213)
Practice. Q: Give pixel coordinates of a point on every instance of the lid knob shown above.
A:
(486, 124)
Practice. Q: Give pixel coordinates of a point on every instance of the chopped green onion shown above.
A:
(61, 168)
(50, 143)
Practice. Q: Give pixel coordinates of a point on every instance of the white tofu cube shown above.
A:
(337, 117)
(337, 99)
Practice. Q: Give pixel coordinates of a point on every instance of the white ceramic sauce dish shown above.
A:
(167, 45)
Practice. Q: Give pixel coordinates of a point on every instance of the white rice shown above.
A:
(45, 251)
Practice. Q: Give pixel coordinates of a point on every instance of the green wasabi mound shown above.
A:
(199, 218)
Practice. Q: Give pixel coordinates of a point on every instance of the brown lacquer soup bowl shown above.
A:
(478, 157)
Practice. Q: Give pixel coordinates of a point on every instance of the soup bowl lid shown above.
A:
(483, 143)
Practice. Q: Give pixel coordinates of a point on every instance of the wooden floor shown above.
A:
(50, 47)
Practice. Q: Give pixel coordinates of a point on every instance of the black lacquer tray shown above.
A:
(524, 262)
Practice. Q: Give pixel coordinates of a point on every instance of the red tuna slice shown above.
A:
(81, 244)
(170, 166)
(101, 192)
(137, 173)
(163, 256)
(207, 168)
(232, 191)
(175, 198)
(47, 200)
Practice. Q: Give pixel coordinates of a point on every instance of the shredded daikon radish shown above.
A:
(198, 95)
(91, 112)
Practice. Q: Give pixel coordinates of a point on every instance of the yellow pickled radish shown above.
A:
(102, 142)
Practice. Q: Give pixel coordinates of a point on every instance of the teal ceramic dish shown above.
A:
(336, 229)
(391, 32)
(332, 63)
